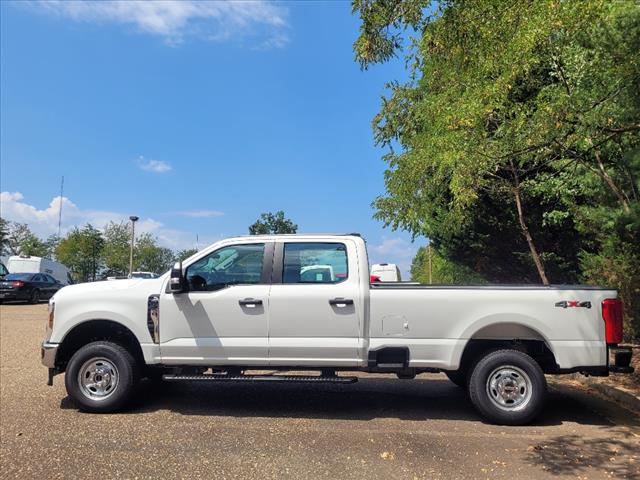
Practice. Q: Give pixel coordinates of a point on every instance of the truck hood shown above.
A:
(144, 285)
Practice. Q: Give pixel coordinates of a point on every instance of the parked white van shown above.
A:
(386, 272)
(29, 264)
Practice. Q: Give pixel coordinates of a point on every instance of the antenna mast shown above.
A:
(60, 207)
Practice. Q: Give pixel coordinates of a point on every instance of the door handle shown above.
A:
(340, 301)
(249, 302)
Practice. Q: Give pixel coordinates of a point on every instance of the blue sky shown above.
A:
(195, 116)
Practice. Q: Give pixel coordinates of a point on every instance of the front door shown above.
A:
(315, 305)
(223, 317)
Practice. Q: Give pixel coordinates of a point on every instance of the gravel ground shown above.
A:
(377, 428)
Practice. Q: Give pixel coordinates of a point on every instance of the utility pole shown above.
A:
(429, 253)
(133, 219)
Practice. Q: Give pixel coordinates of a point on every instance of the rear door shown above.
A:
(315, 304)
(39, 282)
(52, 285)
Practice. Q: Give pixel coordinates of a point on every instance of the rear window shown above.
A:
(314, 263)
(19, 276)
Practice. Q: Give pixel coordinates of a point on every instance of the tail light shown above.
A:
(612, 316)
(374, 278)
(17, 284)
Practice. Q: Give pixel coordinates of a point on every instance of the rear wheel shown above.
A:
(35, 297)
(101, 377)
(508, 387)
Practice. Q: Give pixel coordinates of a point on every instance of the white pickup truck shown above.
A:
(305, 302)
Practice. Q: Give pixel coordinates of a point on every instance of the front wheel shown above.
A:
(508, 387)
(101, 377)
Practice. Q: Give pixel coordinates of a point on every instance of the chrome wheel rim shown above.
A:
(98, 378)
(509, 388)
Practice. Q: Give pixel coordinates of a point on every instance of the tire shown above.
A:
(102, 377)
(508, 387)
(459, 378)
(35, 297)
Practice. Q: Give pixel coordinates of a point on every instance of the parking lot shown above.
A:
(379, 427)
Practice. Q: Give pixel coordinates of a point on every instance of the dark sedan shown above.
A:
(30, 287)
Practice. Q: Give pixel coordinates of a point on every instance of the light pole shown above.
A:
(133, 219)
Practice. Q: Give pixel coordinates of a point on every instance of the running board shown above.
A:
(257, 378)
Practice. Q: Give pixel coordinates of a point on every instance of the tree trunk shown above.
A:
(622, 198)
(525, 229)
(614, 188)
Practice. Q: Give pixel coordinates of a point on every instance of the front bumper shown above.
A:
(48, 352)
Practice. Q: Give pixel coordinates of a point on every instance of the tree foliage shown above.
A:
(184, 254)
(150, 257)
(514, 145)
(81, 251)
(92, 254)
(117, 248)
(18, 239)
(4, 237)
(274, 223)
(443, 271)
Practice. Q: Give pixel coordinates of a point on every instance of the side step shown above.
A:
(257, 378)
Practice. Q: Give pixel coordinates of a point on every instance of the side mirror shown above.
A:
(176, 282)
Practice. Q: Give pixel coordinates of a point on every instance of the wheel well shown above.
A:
(95, 330)
(536, 349)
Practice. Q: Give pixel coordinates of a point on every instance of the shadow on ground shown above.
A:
(575, 455)
(368, 399)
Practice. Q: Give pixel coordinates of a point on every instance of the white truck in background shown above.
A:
(386, 272)
(32, 264)
(305, 302)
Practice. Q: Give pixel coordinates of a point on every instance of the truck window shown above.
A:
(314, 263)
(233, 265)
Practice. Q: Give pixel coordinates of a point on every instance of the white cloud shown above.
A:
(156, 166)
(45, 222)
(201, 213)
(394, 250)
(175, 20)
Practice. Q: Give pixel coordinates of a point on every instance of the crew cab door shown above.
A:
(315, 306)
(223, 317)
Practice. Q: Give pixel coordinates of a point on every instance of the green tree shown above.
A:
(22, 241)
(4, 237)
(443, 271)
(275, 223)
(519, 132)
(150, 257)
(117, 247)
(184, 254)
(82, 252)
(51, 244)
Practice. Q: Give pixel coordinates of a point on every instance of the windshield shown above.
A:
(19, 276)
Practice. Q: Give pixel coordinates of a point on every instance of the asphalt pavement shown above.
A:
(380, 427)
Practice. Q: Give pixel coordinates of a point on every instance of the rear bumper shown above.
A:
(618, 361)
(13, 295)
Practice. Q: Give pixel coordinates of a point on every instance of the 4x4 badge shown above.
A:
(573, 304)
